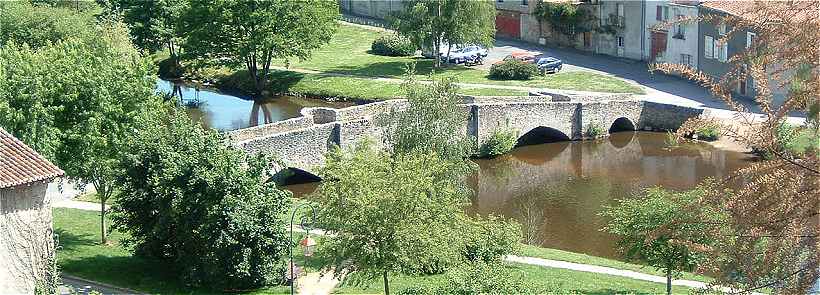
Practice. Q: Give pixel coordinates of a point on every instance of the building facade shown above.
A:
(26, 234)
(672, 32)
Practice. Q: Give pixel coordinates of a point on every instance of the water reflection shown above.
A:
(556, 190)
(229, 112)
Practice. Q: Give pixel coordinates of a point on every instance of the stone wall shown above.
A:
(305, 148)
(27, 241)
(272, 128)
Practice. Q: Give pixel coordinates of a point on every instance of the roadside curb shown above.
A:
(92, 283)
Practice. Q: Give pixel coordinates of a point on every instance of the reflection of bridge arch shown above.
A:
(622, 139)
(542, 134)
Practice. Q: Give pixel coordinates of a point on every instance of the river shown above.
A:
(227, 112)
(555, 190)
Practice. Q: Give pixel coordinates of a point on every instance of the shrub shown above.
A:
(672, 140)
(594, 131)
(709, 132)
(513, 70)
(500, 142)
(488, 240)
(393, 45)
(203, 207)
(797, 140)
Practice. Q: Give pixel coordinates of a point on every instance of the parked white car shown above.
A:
(461, 55)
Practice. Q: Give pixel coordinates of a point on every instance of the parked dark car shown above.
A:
(549, 64)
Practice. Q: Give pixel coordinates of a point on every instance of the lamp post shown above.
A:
(307, 243)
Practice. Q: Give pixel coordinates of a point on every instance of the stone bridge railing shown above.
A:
(302, 142)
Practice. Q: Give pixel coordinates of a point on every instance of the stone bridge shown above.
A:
(301, 143)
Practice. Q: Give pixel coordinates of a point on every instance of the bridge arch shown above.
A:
(541, 134)
(292, 175)
(622, 124)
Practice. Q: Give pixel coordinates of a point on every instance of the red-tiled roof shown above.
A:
(19, 164)
(792, 11)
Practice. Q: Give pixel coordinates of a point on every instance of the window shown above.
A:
(686, 59)
(680, 29)
(708, 46)
(661, 13)
(722, 29)
(750, 39)
(524, 2)
(722, 51)
(620, 41)
(620, 9)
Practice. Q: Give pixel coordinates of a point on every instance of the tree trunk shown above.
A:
(449, 47)
(102, 193)
(437, 49)
(668, 282)
(386, 284)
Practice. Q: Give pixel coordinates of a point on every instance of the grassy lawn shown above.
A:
(560, 279)
(81, 254)
(554, 254)
(348, 53)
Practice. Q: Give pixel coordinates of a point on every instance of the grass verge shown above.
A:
(80, 254)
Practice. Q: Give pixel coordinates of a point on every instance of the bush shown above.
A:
(708, 132)
(594, 131)
(203, 207)
(393, 45)
(488, 240)
(513, 70)
(797, 140)
(499, 143)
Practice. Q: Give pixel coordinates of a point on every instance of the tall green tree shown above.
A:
(253, 33)
(435, 23)
(76, 101)
(206, 207)
(390, 213)
(648, 231)
(153, 25)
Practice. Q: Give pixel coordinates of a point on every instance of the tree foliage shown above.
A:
(647, 232)
(771, 237)
(203, 206)
(37, 26)
(153, 25)
(432, 121)
(251, 34)
(436, 23)
(390, 214)
(565, 17)
(76, 100)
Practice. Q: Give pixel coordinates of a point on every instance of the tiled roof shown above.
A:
(19, 164)
(792, 11)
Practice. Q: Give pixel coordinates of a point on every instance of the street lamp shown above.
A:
(308, 244)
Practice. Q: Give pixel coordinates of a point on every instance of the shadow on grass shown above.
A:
(396, 69)
(70, 242)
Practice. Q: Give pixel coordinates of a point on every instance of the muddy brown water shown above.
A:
(556, 190)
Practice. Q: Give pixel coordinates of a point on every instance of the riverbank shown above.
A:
(81, 255)
(345, 69)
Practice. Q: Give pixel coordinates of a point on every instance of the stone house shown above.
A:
(375, 9)
(671, 42)
(26, 234)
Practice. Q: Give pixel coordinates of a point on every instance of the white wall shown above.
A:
(25, 235)
(674, 46)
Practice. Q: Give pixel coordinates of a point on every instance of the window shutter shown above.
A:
(659, 13)
(724, 52)
(708, 46)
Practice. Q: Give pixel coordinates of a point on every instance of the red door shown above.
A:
(658, 44)
(508, 24)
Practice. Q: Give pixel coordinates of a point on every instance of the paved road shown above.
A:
(659, 87)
